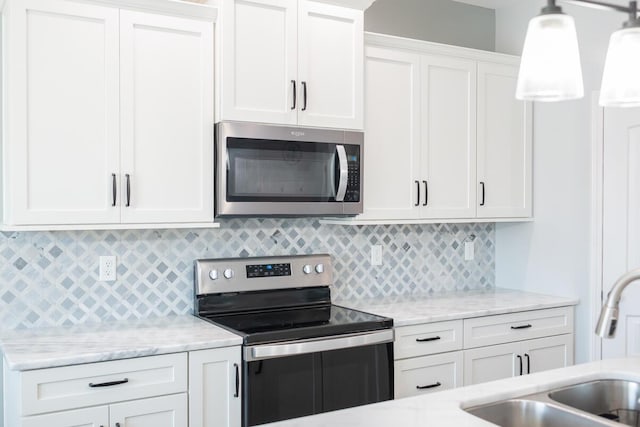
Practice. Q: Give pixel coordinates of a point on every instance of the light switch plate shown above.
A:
(469, 251)
(376, 255)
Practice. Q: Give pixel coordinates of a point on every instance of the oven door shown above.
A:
(260, 172)
(290, 380)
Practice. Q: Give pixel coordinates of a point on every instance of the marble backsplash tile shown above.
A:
(51, 278)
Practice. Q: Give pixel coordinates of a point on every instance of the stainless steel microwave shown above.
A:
(268, 170)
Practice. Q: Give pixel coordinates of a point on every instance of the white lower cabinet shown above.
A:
(197, 389)
(518, 358)
(422, 375)
(443, 355)
(165, 411)
(215, 388)
(89, 417)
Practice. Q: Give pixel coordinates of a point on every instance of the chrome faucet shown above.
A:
(608, 320)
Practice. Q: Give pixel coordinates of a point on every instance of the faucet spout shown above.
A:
(608, 321)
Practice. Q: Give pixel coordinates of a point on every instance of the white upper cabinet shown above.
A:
(61, 122)
(291, 62)
(448, 124)
(504, 145)
(445, 138)
(167, 118)
(258, 60)
(108, 118)
(330, 66)
(392, 134)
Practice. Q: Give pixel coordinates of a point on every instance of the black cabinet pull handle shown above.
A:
(237, 393)
(293, 82)
(427, 339)
(527, 326)
(426, 193)
(109, 383)
(528, 363)
(114, 189)
(423, 387)
(482, 185)
(418, 193)
(128, 189)
(520, 360)
(304, 96)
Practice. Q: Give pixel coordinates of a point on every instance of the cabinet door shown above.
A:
(89, 417)
(548, 353)
(491, 363)
(167, 118)
(259, 61)
(392, 134)
(62, 125)
(504, 145)
(423, 375)
(215, 388)
(165, 411)
(330, 66)
(448, 119)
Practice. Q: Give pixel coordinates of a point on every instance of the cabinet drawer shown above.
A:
(491, 330)
(430, 338)
(422, 375)
(57, 389)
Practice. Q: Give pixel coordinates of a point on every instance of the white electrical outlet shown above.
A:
(108, 268)
(376, 255)
(469, 251)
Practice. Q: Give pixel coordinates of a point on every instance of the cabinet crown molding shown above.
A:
(422, 46)
(352, 4)
(183, 8)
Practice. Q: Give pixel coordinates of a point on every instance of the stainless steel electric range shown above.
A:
(302, 354)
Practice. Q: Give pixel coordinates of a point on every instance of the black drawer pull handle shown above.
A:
(424, 387)
(427, 339)
(114, 189)
(520, 361)
(293, 83)
(109, 384)
(527, 326)
(237, 393)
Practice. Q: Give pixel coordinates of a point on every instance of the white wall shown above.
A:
(552, 255)
(433, 20)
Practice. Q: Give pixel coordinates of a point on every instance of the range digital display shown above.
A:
(268, 270)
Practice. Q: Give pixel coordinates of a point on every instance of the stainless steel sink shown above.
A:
(616, 400)
(531, 413)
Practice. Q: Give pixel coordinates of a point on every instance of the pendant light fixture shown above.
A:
(550, 65)
(621, 78)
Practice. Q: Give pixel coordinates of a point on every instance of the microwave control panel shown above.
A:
(353, 183)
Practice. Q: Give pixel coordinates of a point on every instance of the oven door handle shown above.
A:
(343, 169)
(271, 351)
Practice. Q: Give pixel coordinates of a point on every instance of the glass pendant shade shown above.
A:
(621, 78)
(550, 65)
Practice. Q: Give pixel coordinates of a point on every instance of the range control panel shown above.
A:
(268, 270)
(225, 275)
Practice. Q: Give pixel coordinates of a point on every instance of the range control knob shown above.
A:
(306, 269)
(213, 274)
(320, 268)
(228, 273)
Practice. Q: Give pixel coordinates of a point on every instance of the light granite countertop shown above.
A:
(444, 409)
(413, 310)
(60, 346)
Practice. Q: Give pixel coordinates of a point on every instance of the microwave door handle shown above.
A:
(344, 173)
